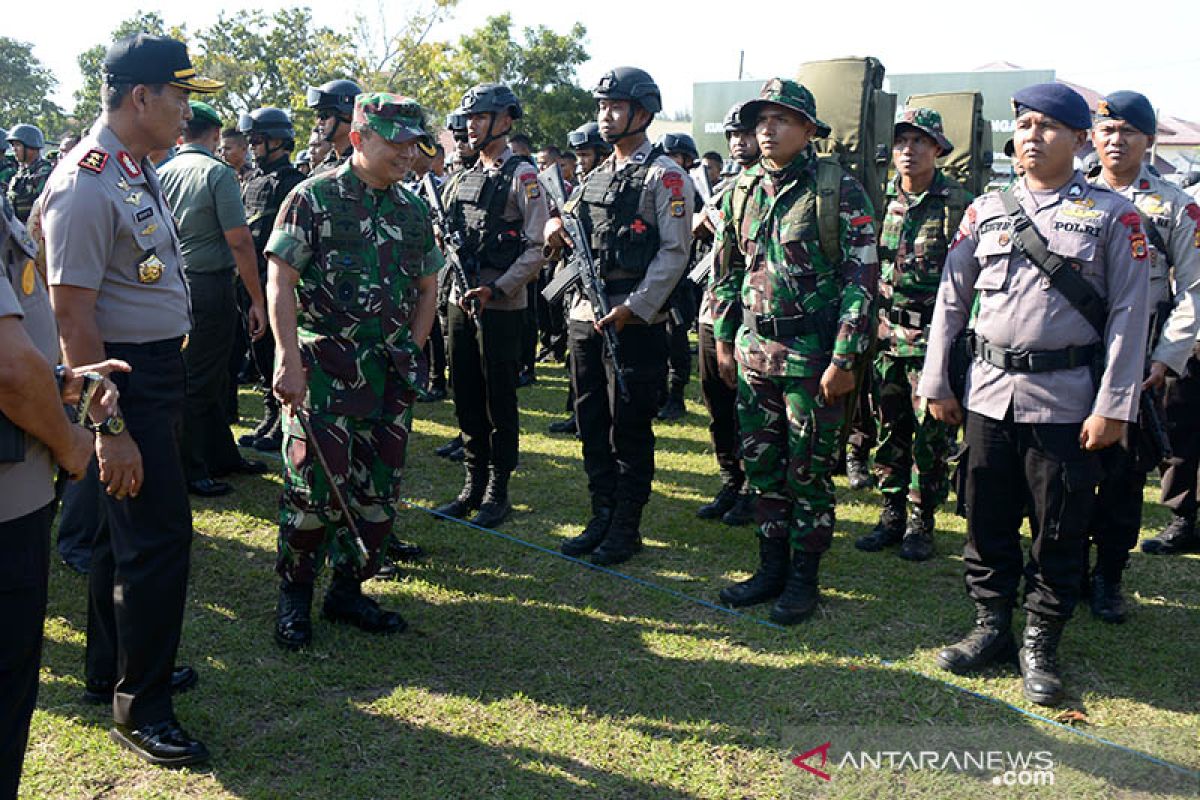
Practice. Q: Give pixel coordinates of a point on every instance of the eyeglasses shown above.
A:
(325, 114)
(256, 140)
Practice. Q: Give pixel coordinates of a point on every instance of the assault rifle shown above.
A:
(453, 243)
(582, 271)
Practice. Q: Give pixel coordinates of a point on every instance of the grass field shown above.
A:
(524, 675)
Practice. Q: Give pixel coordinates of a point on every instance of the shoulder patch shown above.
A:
(1137, 246)
(1193, 211)
(673, 181)
(1132, 220)
(128, 164)
(858, 222)
(94, 160)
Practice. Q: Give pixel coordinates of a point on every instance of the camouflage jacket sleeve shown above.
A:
(729, 269)
(952, 309)
(433, 260)
(1179, 335)
(291, 239)
(859, 270)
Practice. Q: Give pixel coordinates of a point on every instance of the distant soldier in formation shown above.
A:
(1124, 130)
(923, 212)
(1054, 380)
(680, 148)
(32, 171)
(352, 289)
(733, 504)
(334, 103)
(790, 322)
(270, 133)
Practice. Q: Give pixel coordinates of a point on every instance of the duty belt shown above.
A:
(1033, 360)
(780, 327)
(909, 318)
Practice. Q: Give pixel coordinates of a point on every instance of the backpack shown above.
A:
(970, 162)
(851, 101)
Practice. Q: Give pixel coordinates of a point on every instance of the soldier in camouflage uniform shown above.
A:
(352, 289)
(8, 164)
(804, 322)
(32, 170)
(923, 212)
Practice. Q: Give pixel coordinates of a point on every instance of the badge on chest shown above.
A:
(150, 269)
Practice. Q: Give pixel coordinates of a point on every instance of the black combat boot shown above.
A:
(742, 512)
(990, 640)
(857, 472)
(593, 533)
(800, 595)
(623, 540)
(495, 507)
(470, 497)
(726, 498)
(345, 602)
(564, 426)
(1041, 679)
(293, 615)
(768, 580)
(918, 535)
(1178, 537)
(673, 408)
(890, 528)
(269, 422)
(449, 447)
(1105, 595)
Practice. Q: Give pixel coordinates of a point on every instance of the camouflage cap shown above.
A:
(928, 122)
(393, 116)
(790, 95)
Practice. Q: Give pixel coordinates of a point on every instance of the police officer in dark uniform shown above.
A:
(681, 148)
(1055, 378)
(638, 206)
(272, 138)
(116, 278)
(498, 207)
(334, 104)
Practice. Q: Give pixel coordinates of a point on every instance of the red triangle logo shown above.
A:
(800, 761)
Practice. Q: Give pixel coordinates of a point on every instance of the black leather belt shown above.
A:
(780, 327)
(909, 318)
(1034, 360)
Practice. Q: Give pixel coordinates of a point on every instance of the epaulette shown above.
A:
(94, 160)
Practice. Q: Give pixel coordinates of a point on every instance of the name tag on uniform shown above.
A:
(150, 269)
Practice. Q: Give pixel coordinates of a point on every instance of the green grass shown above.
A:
(527, 676)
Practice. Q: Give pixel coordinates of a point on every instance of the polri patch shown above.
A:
(532, 191)
(677, 208)
(94, 160)
(128, 164)
(1137, 246)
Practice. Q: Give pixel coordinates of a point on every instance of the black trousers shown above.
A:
(1013, 467)
(207, 440)
(138, 580)
(24, 574)
(618, 436)
(435, 354)
(484, 360)
(1116, 520)
(529, 332)
(81, 517)
(679, 358)
(1183, 418)
(721, 402)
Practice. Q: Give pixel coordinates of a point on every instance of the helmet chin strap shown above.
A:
(338, 120)
(491, 136)
(628, 132)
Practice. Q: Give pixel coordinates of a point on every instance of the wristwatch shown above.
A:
(842, 362)
(113, 426)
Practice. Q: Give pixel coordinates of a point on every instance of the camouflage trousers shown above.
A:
(913, 446)
(366, 457)
(789, 448)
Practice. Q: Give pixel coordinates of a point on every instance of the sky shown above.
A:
(1103, 45)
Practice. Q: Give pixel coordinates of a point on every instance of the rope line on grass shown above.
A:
(766, 623)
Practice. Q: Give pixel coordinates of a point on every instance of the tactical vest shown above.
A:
(263, 195)
(490, 241)
(621, 239)
(939, 233)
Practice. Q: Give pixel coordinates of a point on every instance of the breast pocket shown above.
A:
(994, 253)
(1078, 248)
(150, 231)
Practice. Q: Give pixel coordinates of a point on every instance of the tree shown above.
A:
(272, 60)
(27, 87)
(540, 70)
(91, 61)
